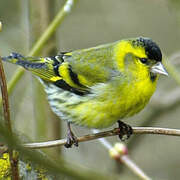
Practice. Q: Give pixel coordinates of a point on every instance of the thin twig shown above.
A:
(131, 165)
(13, 161)
(113, 132)
(122, 157)
(5, 101)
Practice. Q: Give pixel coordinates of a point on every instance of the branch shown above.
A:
(133, 167)
(119, 152)
(113, 132)
(5, 101)
(13, 160)
(56, 167)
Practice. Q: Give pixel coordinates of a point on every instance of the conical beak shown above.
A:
(158, 68)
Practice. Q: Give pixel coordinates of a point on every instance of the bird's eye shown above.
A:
(143, 60)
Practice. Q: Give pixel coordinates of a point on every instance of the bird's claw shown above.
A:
(125, 131)
(71, 139)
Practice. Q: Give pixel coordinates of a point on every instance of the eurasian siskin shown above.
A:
(98, 86)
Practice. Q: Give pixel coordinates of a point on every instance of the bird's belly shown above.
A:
(100, 111)
(114, 104)
(97, 114)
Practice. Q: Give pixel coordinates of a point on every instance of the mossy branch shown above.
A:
(56, 166)
(6, 113)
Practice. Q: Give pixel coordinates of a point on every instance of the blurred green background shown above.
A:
(91, 23)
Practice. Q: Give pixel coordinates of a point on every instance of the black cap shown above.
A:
(152, 49)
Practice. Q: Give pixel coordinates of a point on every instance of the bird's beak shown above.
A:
(158, 68)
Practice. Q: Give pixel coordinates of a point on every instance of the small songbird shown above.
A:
(99, 86)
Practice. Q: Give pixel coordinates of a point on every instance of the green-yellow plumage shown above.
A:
(95, 87)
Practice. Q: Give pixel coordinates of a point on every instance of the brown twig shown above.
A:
(13, 161)
(5, 97)
(113, 132)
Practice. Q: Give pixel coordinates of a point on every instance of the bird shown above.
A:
(99, 86)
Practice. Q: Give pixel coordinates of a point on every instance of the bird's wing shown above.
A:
(93, 65)
(76, 71)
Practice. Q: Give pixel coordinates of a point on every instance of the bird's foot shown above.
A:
(71, 138)
(125, 131)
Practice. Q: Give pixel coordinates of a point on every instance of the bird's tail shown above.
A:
(41, 67)
(26, 62)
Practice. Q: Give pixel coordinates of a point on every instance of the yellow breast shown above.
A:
(116, 102)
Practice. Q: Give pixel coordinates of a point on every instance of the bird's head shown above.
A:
(140, 56)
